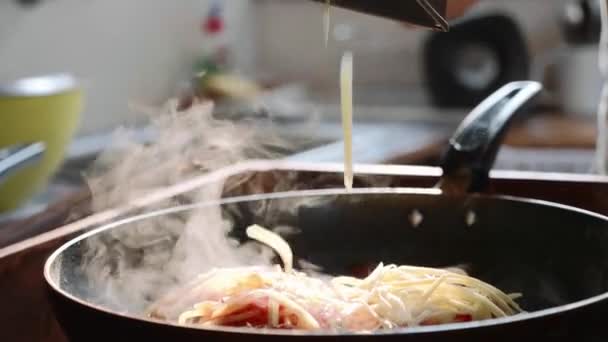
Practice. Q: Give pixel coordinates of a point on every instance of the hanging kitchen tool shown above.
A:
(425, 13)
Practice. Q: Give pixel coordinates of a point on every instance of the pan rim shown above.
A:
(464, 326)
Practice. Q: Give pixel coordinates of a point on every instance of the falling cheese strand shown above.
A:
(275, 242)
(327, 21)
(346, 87)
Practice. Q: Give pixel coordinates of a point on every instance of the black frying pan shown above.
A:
(555, 255)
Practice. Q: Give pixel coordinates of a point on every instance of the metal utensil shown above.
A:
(426, 13)
(16, 157)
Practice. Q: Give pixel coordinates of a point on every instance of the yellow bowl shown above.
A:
(40, 109)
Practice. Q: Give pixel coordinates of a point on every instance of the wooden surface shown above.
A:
(25, 312)
(554, 131)
(74, 205)
(24, 302)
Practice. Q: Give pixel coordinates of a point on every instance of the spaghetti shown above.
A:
(281, 298)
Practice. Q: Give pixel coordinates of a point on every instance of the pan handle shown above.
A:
(474, 147)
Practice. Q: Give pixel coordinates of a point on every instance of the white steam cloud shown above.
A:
(142, 261)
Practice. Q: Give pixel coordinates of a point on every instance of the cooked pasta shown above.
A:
(281, 298)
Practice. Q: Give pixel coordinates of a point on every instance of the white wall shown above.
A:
(138, 50)
(290, 40)
(123, 50)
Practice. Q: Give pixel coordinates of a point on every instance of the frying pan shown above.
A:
(554, 254)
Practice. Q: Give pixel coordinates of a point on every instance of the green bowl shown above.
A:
(39, 109)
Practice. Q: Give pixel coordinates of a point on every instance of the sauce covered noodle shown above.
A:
(281, 298)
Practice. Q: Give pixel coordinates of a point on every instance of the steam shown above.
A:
(132, 266)
(138, 263)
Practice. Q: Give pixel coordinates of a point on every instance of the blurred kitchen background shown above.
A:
(130, 54)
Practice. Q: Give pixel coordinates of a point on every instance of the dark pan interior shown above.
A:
(550, 254)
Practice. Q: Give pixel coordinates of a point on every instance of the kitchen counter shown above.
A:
(552, 130)
(26, 307)
(545, 142)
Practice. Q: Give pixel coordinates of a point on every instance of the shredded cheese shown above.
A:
(273, 313)
(391, 296)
